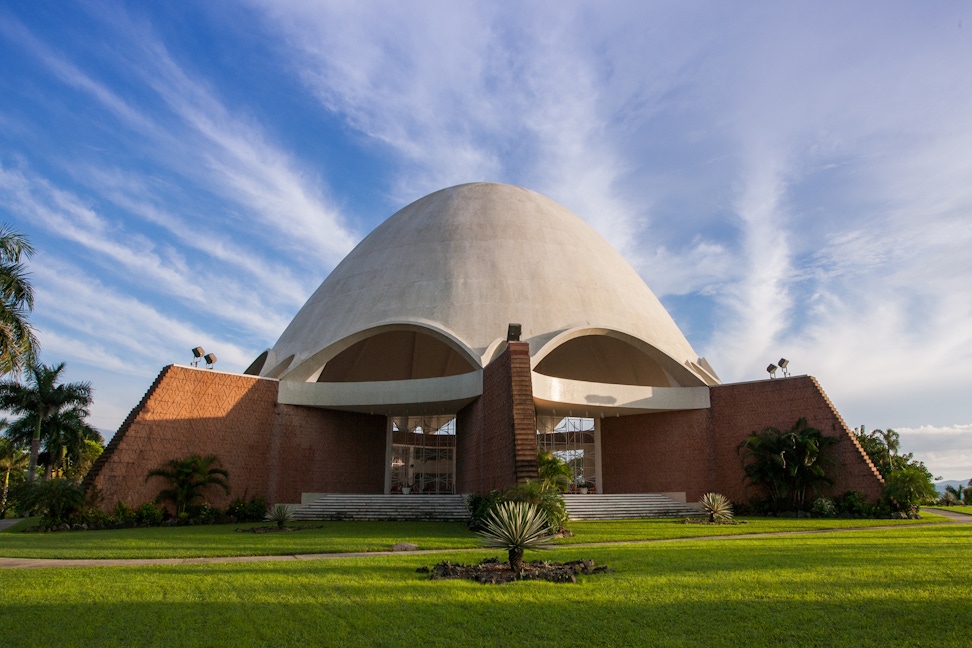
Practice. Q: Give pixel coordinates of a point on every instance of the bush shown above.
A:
(201, 514)
(124, 514)
(58, 501)
(824, 507)
(907, 489)
(544, 496)
(149, 514)
(252, 511)
(854, 503)
(479, 506)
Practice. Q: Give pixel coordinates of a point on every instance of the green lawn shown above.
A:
(959, 509)
(333, 537)
(859, 588)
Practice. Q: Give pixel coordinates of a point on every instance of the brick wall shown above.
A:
(274, 451)
(696, 451)
(742, 408)
(657, 453)
(496, 437)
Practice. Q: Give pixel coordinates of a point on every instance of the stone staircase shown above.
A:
(624, 506)
(385, 507)
(453, 507)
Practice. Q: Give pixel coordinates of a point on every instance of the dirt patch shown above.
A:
(276, 529)
(492, 571)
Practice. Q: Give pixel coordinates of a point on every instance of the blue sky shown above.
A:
(791, 179)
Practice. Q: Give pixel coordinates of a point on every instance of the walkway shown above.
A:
(14, 563)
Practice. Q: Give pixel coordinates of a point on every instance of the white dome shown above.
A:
(460, 265)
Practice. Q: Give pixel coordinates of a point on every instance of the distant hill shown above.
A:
(940, 486)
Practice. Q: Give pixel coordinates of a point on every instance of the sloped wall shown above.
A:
(273, 451)
(697, 451)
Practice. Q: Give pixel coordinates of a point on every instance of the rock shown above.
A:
(404, 546)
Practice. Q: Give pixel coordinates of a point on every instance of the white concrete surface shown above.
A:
(464, 262)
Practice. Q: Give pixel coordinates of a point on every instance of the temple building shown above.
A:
(474, 327)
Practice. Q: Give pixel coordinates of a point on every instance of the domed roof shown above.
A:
(466, 261)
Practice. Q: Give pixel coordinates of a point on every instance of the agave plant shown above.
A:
(515, 526)
(717, 506)
(280, 514)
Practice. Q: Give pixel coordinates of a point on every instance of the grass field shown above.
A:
(855, 588)
(959, 509)
(333, 537)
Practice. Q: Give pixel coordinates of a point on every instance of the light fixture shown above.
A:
(771, 370)
(210, 359)
(196, 354)
(513, 333)
(783, 365)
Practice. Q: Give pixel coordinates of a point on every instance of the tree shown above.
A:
(64, 436)
(554, 471)
(188, 478)
(909, 487)
(12, 460)
(882, 446)
(956, 494)
(787, 464)
(18, 343)
(42, 397)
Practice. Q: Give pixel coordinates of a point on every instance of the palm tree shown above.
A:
(41, 399)
(188, 477)
(18, 343)
(955, 492)
(12, 459)
(63, 437)
(789, 463)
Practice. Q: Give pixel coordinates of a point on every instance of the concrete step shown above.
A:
(385, 507)
(453, 507)
(626, 506)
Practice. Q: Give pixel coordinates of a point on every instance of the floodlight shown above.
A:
(783, 365)
(513, 333)
(210, 359)
(196, 354)
(771, 369)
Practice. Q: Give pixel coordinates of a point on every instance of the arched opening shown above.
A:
(395, 355)
(603, 359)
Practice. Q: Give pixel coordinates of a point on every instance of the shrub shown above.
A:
(124, 514)
(717, 506)
(58, 501)
(479, 506)
(187, 479)
(201, 514)
(149, 514)
(545, 496)
(967, 494)
(280, 514)
(253, 511)
(515, 527)
(824, 507)
(907, 489)
(854, 503)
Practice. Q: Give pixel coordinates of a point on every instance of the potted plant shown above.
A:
(407, 488)
(583, 486)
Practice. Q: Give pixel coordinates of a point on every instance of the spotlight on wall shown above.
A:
(771, 370)
(513, 333)
(196, 354)
(210, 359)
(784, 363)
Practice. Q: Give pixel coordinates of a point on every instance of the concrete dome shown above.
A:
(443, 277)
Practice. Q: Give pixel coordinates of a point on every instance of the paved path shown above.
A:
(6, 524)
(954, 516)
(140, 562)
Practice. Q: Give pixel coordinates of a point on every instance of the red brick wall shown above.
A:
(496, 435)
(696, 451)
(657, 453)
(742, 408)
(273, 451)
